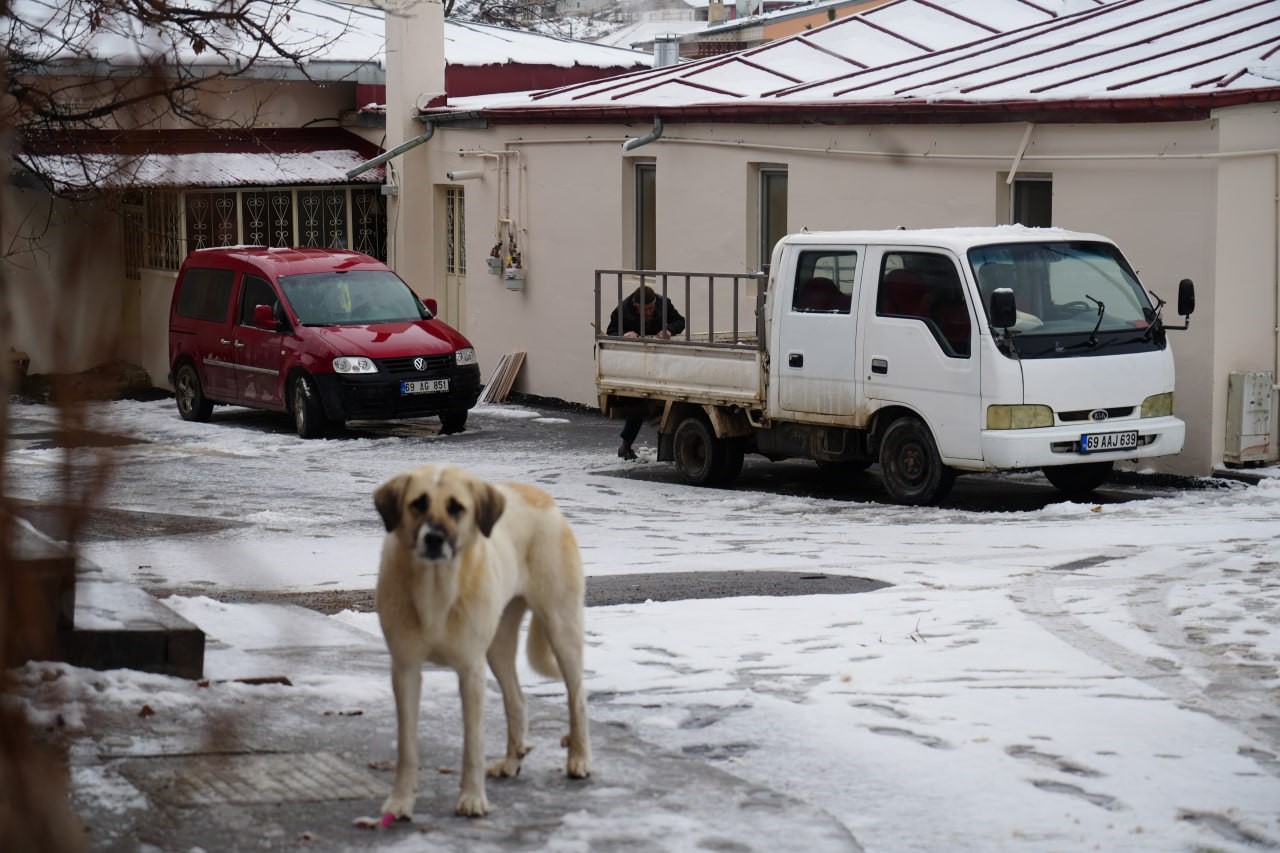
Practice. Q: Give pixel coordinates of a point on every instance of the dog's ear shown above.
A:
(387, 499)
(489, 505)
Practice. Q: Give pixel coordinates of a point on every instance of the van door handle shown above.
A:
(795, 359)
(239, 344)
(226, 342)
(880, 365)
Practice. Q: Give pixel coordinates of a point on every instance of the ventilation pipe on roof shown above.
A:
(394, 152)
(666, 50)
(651, 136)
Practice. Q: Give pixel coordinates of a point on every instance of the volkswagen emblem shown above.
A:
(1098, 415)
(420, 363)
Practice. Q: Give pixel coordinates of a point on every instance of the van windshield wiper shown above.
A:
(1093, 336)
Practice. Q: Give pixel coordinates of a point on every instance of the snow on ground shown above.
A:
(1085, 676)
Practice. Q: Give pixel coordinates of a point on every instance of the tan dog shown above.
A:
(461, 561)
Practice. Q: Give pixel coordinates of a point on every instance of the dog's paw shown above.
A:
(505, 768)
(399, 806)
(472, 805)
(578, 767)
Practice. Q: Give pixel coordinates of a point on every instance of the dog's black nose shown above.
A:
(433, 543)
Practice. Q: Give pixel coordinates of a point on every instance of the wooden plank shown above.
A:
(503, 377)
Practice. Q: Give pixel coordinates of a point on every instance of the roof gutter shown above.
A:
(394, 152)
(651, 136)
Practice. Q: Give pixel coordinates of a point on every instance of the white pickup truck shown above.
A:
(932, 352)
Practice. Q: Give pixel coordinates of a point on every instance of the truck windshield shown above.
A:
(353, 298)
(1059, 289)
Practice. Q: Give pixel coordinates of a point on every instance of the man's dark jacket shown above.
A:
(632, 319)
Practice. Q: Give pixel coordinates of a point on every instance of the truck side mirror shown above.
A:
(1004, 311)
(264, 317)
(1186, 297)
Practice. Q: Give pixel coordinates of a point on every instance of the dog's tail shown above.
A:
(538, 648)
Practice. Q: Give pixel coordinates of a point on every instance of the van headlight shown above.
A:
(354, 364)
(1158, 405)
(1019, 417)
(466, 355)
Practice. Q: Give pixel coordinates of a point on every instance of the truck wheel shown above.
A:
(909, 463)
(701, 458)
(1078, 479)
(308, 414)
(453, 422)
(192, 403)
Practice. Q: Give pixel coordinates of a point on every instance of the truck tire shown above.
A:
(1078, 479)
(909, 463)
(308, 414)
(701, 458)
(193, 405)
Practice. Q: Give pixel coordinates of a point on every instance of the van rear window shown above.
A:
(206, 294)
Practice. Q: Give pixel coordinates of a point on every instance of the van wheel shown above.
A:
(909, 463)
(192, 403)
(1078, 479)
(308, 414)
(453, 422)
(701, 458)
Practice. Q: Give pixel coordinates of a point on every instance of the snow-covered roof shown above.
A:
(336, 40)
(199, 158)
(959, 52)
(482, 44)
(646, 32)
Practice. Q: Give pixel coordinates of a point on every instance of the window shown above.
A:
(206, 294)
(174, 223)
(646, 215)
(824, 282)
(254, 293)
(455, 240)
(772, 205)
(925, 286)
(1031, 201)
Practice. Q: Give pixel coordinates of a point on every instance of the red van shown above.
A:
(327, 335)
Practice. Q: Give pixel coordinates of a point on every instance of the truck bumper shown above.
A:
(1038, 448)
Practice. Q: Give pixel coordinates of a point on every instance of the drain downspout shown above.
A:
(394, 152)
(651, 136)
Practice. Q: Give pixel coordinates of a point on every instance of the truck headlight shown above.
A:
(1019, 417)
(466, 355)
(1158, 405)
(354, 364)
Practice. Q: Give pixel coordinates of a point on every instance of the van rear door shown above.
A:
(202, 317)
(921, 344)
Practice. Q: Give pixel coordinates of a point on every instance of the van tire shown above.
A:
(453, 422)
(193, 405)
(912, 470)
(308, 413)
(1078, 479)
(701, 458)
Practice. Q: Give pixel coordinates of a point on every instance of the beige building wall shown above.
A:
(1162, 191)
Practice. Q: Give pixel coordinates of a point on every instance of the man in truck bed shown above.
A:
(642, 314)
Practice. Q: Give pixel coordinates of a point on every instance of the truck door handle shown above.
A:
(795, 359)
(880, 365)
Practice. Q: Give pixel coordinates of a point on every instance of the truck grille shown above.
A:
(1083, 414)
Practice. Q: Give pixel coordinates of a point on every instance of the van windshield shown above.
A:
(1058, 289)
(352, 298)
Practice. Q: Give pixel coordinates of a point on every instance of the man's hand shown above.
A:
(664, 334)
(630, 335)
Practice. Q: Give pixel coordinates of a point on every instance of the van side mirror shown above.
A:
(1004, 310)
(432, 306)
(1186, 297)
(264, 317)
